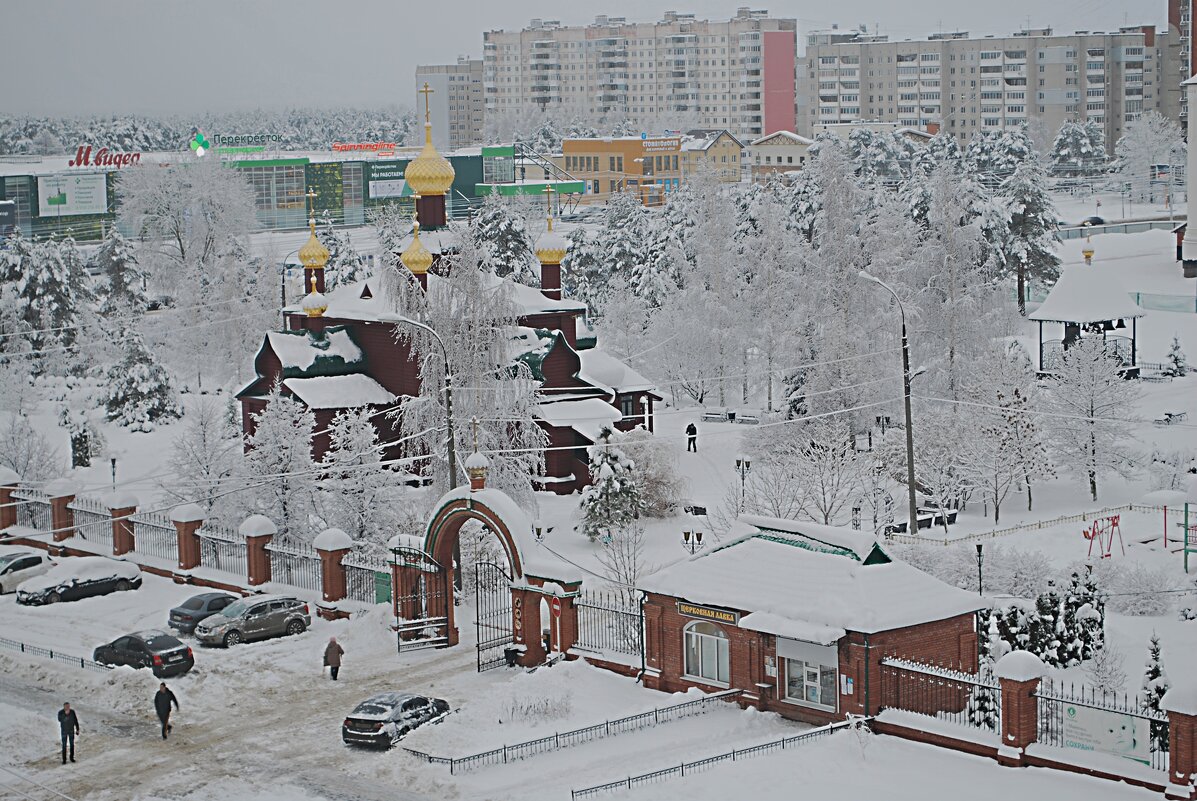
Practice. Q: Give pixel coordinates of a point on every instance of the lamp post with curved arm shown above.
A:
(914, 520)
(451, 441)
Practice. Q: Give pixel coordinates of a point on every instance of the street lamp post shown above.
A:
(692, 541)
(743, 466)
(980, 559)
(914, 519)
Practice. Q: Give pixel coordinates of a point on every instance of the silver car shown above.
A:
(20, 565)
(255, 618)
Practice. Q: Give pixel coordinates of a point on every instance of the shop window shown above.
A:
(706, 652)
(811, 684)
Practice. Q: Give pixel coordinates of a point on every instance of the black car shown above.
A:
(184, 617)
(157, 650)
(1093, 221)
(77, 578)
(385, 719)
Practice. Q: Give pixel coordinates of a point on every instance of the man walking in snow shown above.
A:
(68, 727)
(162, 701)
(332, 657)
(691, 438)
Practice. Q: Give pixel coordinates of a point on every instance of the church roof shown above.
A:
(301, 354)
(1087, 294)
(339, 391)
(606, 372)
(588, 416)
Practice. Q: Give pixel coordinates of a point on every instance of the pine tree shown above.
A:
(355, 482)
(1078, 149)
(44, 293)
(1155, 685)
(139, 391)
(1048, 628)
(983, 709)
(345, 265)
(1176, 363)
(503, 238)
(123, 288)
(1033, 219)
(613, 501)
(279, 461)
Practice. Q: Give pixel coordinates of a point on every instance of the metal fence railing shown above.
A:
(1081, 517)
(557, 740)
(367, 577)
(296, 565)
(154, 535)
(36, 650)
(93, 521)
(1055, 698)
(221, 549)
(33, 509)
(963, 698)
(689, 768)
(607, 622)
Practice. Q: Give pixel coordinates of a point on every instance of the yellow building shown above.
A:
(716, 150)
(649, 166)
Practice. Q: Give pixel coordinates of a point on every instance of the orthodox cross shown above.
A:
(426, 91)
(548, 200)
(474, 425)
(311, 196)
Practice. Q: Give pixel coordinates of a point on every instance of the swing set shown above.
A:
(1102, 534)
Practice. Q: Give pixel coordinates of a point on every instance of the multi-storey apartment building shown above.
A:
(964, 85)
(681, 71)
(1180, 64)
(456, 103)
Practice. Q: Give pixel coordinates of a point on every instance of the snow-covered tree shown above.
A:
(1176, 364)
(123, 289)
(278, 466)
(1033, 218)
(203, 459)
(876, 156)
(1079, 149)
(624, 565)
(828, 471)
(657, 479)
(995, 154)
(983, 708)
(87, 441)
(1155, 685)
(139, 391)
(504, 239)
(613, 501)
(1090, 400)
(27, 452)
(356, 486)
(43, 286)
(345, 265)
(1150, 152)
(1105, 670)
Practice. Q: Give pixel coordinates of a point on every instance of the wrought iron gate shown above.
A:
(424, 628)
(494, 619)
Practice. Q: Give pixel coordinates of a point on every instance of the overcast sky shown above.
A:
(66, 57)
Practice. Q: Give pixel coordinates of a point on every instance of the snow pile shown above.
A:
(187, 513)
(121, 500)
(1020, 666)
(257, 526)
(9, 477)
(1182, 698)
(296, 350)
(332, 539)
(339, 391)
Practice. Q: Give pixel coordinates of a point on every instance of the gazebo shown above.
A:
(1089, 300)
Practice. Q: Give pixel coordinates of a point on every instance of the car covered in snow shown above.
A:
(18, 566)
(163, 654)
(255, 618)
(187, 615)
(74, 579)
(384, 719)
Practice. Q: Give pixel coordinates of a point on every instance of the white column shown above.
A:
(1189, 245)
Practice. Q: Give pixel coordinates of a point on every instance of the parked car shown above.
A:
(254, 618)
(385, 719)
(73, 579)
(187, 615)
(17, 566)
(1093, 221)
(163, 654)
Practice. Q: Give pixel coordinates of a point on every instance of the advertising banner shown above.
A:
(72, 194)
(8, 217)
(1089, 729)
(384, 179)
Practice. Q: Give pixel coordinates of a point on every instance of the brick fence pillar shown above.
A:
(1018, 674)
(1181, 704)
(258, 531)
(526, 626)
(62, 517)
(9, 481)
(187, 519)
(122, 507)
(332, 545)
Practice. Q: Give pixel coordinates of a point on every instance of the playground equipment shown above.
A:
(1189, 526)
(1102, 533)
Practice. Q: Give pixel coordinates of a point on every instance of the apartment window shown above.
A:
(707, 653)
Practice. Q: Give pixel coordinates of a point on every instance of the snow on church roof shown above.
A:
(339, 391)
(807, 582)
(587, 416)
(296, 349)
(1087, 294)
(606, 372)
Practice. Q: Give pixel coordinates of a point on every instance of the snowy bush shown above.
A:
(1139, 590)
(1155, 685)
(139, 391)
(655, 469)
(537, 703)
(1106, 671)
(24, 450)
(1176, 364)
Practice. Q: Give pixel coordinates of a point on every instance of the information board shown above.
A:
(72, 194)
(1089, 729)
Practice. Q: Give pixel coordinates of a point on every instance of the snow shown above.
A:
(1182, 696)
(60, 487)
(9, 477)
(605, 371)
(1087, 294)
(296, 349)
(477, 461)
(1020, 666)
(588, 416)
(257, 526)
(121, 500)
(791, 629)
(187, 513)
(332, 539)
(84, 568)
(793, 137)
(339, 391)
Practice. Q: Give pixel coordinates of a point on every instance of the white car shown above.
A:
(17, 566)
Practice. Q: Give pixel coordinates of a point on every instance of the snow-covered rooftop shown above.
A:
(605, 371)
(791, 137)
(807, 582)
(1087, 294)
(339, 391)
(299, 351)
(588, 416)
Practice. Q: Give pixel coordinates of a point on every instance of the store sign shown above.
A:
(1088, 729)
(375, 147)
(661, 144)
(72, 194)
(245, 140)
(385, 179)
(102, 158)
(708, 613)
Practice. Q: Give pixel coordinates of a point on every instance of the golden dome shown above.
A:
(313, 255)
(314, 304)
(551, 246)
(429, 173)
(416, 257)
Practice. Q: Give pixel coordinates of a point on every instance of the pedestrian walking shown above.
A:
(162, 701)
(332, 657)
(691, 438)
(68, 727)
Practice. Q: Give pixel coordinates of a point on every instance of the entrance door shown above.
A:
(492, 601)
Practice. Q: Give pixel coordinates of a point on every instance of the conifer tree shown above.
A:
(1033, 219)
(46, 297)
(1079, 149)
(1155, 685)
(281, 448)
(355, 482)
(345, 265)
(613, 501)
(983, 709)
(139, 391)
(1176, 363)
(505, 241)
(123, 289)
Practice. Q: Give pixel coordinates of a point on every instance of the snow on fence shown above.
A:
(1083, 517)
(367, 577)
(608, 623)
(223, 549)
(557, 740)
(36, 650)
(154, 535)
(33, 509)
(297, 565)
(1055, 697)
(93, 521)
(698, 765)
(956, 696)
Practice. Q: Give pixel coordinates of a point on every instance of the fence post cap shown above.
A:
(187, 513)
(60, 488)
(332, 539)
(121, 500)
(257, 526)
(1181, 698)
(1020, 666)
(9, 477)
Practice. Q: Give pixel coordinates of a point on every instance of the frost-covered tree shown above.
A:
(983, 708)
(1032, 243)
(1090, 400)
(1079, 149)
(1105, 670)
(345, 265)
(828, 471)
(87, 441)
(1155, 685)
(1150, 151)
(278, 467)
(613, 501)
(504, 239)
(876, 155)
(356, 487)
(123, 285)
(138, 391)
(204, 459)
(657, 478)
(582, 269)
(1176, 364)
(995, 154)
(43, 287)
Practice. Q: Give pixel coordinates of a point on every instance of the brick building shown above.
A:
(799, 616)
(713, 150)
(649, 166)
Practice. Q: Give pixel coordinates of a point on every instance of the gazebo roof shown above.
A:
(1087, 294)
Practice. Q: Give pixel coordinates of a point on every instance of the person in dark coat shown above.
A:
(162, 701)
(332, 657)
(68, 726)
(692, 438)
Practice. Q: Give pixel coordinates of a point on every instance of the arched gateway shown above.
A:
(508, 597)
